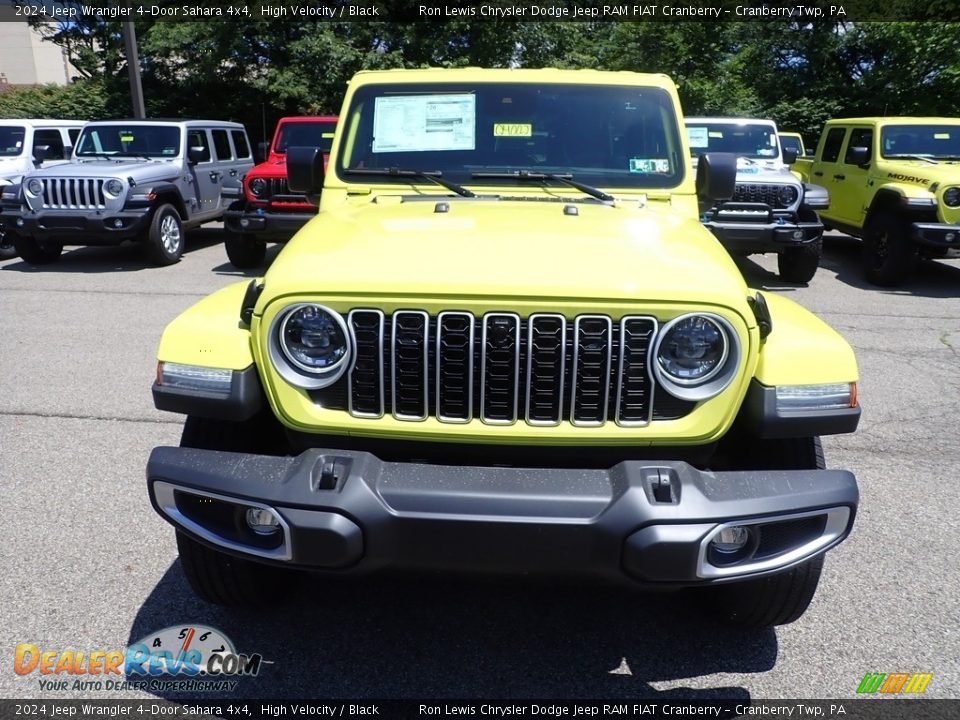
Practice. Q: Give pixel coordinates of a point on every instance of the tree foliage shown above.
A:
(255, 71)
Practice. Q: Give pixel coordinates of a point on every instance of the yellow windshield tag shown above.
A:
(326, 136)
(512, 130)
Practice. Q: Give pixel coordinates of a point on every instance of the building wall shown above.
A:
(25, 59)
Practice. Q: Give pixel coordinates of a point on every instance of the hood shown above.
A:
(509, 248)
(139, 170)
(764, 172)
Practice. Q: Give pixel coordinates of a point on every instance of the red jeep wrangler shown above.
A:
(268, 210)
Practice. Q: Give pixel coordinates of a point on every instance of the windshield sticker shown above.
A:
(698, 137)
(767, 152)
(716, 134)
(512, 130)
(422, 123)
(649, 166)
(127, 138)
(941, 136)
(326, 135)
(169, 151)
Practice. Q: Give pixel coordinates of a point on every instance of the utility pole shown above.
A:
(133, 68)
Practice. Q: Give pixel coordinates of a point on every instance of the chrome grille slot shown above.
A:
(366, 377)
(546, 365)
(500, 368)
(591, 369)
(634, 386)
(454, 367)
(73, 194)
(410, 340)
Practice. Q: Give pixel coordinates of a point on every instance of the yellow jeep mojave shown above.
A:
(506, 344)
(895, 183)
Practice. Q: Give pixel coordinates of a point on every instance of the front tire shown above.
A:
(165, 238)
(36, 251)
(213, 575)
(799, 264)
(7, 250)
(889, 257)
(245, 251)
(776, 599)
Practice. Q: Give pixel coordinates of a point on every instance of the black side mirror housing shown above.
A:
(262, 149)
(789, 156)
(198, 154)
(858, 155)
(41, 153)
(716, 176)
(305, 171)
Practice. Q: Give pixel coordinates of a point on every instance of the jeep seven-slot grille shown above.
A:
(500, 368)
(767, 194)
(73, 194)
(278, 189)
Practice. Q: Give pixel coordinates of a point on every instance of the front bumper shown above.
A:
(937, 236)
(277, 227)
(755, 228)
(648, 523)
(77, 228)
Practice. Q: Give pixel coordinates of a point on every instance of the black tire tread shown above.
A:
(799, 264)
(32, 251)
(245, 251)
(153, 246)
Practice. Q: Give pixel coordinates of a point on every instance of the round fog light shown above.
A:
(20, 222)
(950, 237)
(730, 539)
(244, 222)
(798, 234)
(118, 223)
(261, 521)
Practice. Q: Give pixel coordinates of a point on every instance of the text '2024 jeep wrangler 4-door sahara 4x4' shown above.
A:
(507, 344)
(142, 180)
(895, 183)
(770, 210)
(268, 211)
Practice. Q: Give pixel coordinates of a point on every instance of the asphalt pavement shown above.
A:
(87, 564)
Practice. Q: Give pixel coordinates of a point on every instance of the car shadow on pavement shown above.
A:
(931, 278)
(757, 276)
(128, 257)
(228, 269)
(389, 638)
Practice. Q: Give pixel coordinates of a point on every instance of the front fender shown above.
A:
(210, 333)
(802, 349)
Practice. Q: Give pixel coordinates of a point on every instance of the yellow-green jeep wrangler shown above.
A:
(506, 344)
(895, 183)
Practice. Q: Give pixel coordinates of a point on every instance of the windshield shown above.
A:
(305, 134)
(791, 143)
(757, 141)
(129, 140)
(933, 141)
(625, 137)
(11, 140)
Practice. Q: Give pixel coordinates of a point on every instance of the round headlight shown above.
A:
(695, 356)
(314, 339)
(35, 187)
(113, 187)
(692, 350)
(951, 196)
(258, 186)
(788, 195)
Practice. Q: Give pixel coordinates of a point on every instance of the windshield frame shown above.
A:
(528, 113)
(887, 131)
(93, 153)
(328, 126)
(23, 142)
(712, 125)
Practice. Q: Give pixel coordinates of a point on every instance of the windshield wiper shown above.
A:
(105, 156)
(431, 175)
(565, 178)
(911, 156)
(134, 155)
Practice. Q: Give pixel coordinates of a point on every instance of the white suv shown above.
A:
(26, 145)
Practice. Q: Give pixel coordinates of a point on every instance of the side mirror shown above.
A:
(41, 153)
(789, 156)
(305, 170)
(716, 176)
(858, 155)
(262, 149)
(810, 152)
(198, 154)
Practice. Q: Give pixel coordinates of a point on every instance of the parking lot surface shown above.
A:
(88, 565)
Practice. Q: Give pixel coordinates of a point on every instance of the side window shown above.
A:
(859, 137)
(241, 144)
(52, 139)
(197, 137)
(221, 143)
(831, 146)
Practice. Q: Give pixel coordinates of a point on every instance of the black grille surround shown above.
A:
(766, 193)
(502, 369)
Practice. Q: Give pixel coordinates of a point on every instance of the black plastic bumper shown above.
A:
(939, 236)
(78, 228)
(278, 227)
(755, 237)
(644, 522)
